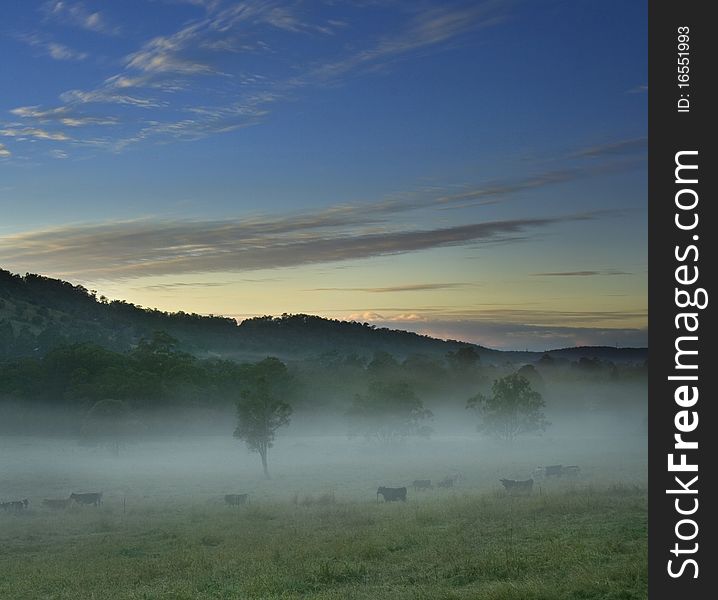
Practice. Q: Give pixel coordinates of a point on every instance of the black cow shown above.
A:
(236, 499)
(94, 498)
(56, 504)
(514, 486)
(422, 484)
(571, 471)
(391, 494)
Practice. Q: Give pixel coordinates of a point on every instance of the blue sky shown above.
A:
(473, 170)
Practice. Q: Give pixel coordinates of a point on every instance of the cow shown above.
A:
(236, 499)
(557, 471)
(422, 484)
(513, 486)
(391, 494)
(571, 471)
(56, 503)
(553, 471)
(94, 498)
(15, 505)
(449, 481)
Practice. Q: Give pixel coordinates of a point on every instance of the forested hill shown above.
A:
(39, 313)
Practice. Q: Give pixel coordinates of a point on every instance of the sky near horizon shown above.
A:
(469, 170)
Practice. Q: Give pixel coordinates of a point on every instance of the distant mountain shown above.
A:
(39, 313)
(611, 353)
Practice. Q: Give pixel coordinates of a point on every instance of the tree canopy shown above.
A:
(262, 406)
(513, 408)
(388, 411)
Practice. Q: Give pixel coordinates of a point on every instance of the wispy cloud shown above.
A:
(33, 133)
(178, 54)
(536, 316)
(413, 287)
(182, 285)
(515, 328)
(135, 248)
(76, 14)
(494, 192)
(108, 95)
(4, 152)
(62, 52)
(613, 148)
(603, 273)
(52, 49)
(64, 115)
(165, 64)
(208, 5)
(428, 28)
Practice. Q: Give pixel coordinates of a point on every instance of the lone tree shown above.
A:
(512, 409)
(262, 408)
(389, 411)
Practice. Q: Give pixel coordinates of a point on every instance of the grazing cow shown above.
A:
(15, 505)
(94, 498)
(236, 499)
(391, 494)
(422, 484)
(448, 482)
(56, 504)
(557, 471)
(553, 471)
(514, 486)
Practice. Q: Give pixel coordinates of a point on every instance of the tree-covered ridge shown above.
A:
(39, 313)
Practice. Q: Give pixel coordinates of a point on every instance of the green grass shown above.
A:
(580, 542)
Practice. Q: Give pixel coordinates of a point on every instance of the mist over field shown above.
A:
(317, 528)
(181, 446)
(197, 468)
(191, 455)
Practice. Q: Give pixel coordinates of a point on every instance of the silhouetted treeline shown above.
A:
(39, 313)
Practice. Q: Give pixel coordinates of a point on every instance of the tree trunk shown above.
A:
(263, 455)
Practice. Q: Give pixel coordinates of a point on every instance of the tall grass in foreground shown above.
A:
(577, 543)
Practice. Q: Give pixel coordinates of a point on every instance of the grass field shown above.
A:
(301, 537)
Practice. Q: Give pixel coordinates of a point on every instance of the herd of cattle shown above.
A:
(94, 498)
(512, 486)
(389, 494)
(15, 505)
